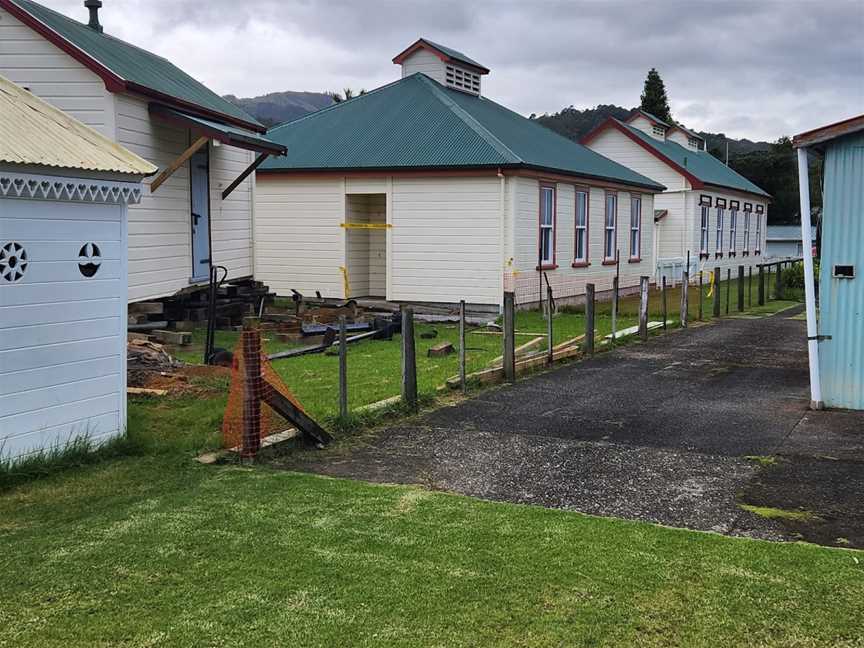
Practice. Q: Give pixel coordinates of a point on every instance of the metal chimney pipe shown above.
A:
(93, 6)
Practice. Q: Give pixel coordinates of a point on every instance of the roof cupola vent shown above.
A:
(445, 65)
(93, 6)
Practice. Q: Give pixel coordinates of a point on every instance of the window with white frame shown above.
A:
(746, 232)
(581, 247)
(758, 233)
(733, 230)
(547, 225)
(609, 227)
(703, 239)
(635, 227)
(719, 241)
(658, 130)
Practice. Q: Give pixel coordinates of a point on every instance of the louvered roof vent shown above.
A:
(447, 66)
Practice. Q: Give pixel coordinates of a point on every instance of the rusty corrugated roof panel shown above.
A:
(34, 132)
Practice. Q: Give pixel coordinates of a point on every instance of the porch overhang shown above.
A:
(230, 135)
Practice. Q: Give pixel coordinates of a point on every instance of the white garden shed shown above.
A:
(64, 191)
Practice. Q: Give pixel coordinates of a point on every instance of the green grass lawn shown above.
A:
(149, 548)
(159, 551)
(374, 366)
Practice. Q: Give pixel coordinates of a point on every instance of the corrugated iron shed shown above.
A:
(841, 293)
(34, 132)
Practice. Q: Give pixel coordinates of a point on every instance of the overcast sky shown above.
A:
(756, 69)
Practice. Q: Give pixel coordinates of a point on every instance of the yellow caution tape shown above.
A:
(345, 283)
(366, 225)
(710, 283)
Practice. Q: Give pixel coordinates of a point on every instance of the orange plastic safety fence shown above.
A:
(240, 413)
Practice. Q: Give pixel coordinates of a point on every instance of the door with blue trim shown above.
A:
(199, 173)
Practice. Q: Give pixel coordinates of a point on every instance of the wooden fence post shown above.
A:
(614, 308)
(779, 283)
(589, 319)
(663, 299)
(549, 342)
(740, 288)
(750, 288)
(509, 337)
(462, 381)
(761, 297)
(728, 288)
(701, 313)
(685, 298)
(643, 307)
(409, 359)
(343, 368)
(253, 389)
(717, 291)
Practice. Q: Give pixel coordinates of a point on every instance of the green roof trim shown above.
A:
(118, 60)
(701, 164)
(416, 123)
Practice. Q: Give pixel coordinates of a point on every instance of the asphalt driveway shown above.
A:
(681, 430)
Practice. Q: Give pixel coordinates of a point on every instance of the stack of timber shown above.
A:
(187, 308)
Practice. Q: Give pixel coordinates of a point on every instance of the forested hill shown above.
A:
(278, 107)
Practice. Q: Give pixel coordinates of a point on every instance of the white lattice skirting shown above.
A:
(41, 187)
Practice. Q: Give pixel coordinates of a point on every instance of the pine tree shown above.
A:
(654, 99)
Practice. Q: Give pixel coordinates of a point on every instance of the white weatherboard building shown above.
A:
(707, 209)
(186, 218)
(64, 191)
(426, 191)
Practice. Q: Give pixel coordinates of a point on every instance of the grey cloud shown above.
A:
(751, 69)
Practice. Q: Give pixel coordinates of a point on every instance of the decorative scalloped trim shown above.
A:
(40, 187)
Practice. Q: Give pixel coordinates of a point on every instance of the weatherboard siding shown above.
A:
(62, 335)
(299, 243)
(568, 282)
(28, 59)
(160, 253)
(426, 62)
(446, 240)
(231, 219)
(616, 146)
(160, 256)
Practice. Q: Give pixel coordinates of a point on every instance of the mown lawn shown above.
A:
(149, 548)
(159, 551)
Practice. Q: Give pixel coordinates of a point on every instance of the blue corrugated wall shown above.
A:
(841, 314)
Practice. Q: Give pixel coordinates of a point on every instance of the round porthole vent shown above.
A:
(13, 261)
(89, 259)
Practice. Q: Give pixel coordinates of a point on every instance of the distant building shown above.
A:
(836, 340)
(426, 191)
(784, 241)
(712, 212)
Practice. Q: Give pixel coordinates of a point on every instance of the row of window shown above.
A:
(719, 249)
(548, 223)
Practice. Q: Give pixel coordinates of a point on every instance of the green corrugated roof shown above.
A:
(454, 54)
(701, 164)
(417, 123)
(133, 63)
